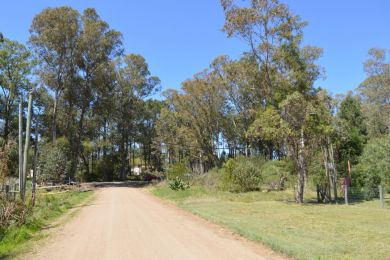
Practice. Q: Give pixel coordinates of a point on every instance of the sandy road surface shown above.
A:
(128, 223)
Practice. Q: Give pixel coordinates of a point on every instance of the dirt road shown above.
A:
(128, 223)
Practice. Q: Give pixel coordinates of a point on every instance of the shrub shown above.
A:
(374, 164)
(178, 184)
(212, 180)
(242, 174)
(275, 173)
(8, 158)
(11, 213)
(55, 163)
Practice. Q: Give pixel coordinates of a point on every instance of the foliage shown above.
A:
(351, 135)
(178, 184)
(276, 173)
(55, 163)
(195, 116)
(269, 127)
(242, 174)
(107, 168)
(11, 213)
(374, 164)
(177, 170)
(375, 92)
(8, 155)
(212, 180)
(15, 69)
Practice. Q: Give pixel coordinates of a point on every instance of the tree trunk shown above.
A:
(301, 169)
(54, 119)
(122, 156)
(34, 178)
(334, 170)
(105, 138)
(6, 125)
(325, 153)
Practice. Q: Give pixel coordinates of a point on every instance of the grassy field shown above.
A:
(309, 231)
(48, 208)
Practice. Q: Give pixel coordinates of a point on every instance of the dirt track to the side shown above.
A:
(128, 223)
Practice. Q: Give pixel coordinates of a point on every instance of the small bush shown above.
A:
(276, 173)
(11, 213)
(55, 163)
(242, 174)
(211, 180)
(8, 158)
(178, 184)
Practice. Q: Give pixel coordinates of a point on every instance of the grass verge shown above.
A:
(309, 231)
(48, 208)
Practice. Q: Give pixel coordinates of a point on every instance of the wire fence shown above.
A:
(9, 190)
(377, 197)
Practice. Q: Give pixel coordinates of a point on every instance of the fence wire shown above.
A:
(379, 196)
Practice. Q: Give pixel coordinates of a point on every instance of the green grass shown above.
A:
(309, 231)
(48, 208)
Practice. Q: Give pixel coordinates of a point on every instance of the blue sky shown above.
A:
(180, 37)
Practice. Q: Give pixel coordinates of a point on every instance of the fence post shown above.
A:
(7, 191)
(346, 194)
(381, 197)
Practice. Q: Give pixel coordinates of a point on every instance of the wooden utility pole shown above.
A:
(20, 141)
(27, 143)
(34, 177)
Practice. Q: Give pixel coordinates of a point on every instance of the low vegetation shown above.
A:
(23, 225)
(310, 231)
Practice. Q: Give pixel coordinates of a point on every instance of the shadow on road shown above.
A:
(131, 184)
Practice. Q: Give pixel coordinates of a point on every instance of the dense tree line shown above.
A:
(90, 98)
(94, 118)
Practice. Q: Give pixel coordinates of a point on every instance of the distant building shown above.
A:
(137, 170)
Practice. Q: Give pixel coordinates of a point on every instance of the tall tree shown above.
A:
(352, 133)
(54, 35)
(269, 28)
(286, 70)
(15, 68)
(241, 80)
(197, 116)
(375, 91)
(134, 83)
(97, 45)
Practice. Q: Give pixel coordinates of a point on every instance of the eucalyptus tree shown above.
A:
(15, 67)
(148, 134)
(74, 51)
(375, 91)
(286, 71)
(54, 34)
(196, 116)
(97, 45)
(240, 80)
(134, 84)
(269, 29)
